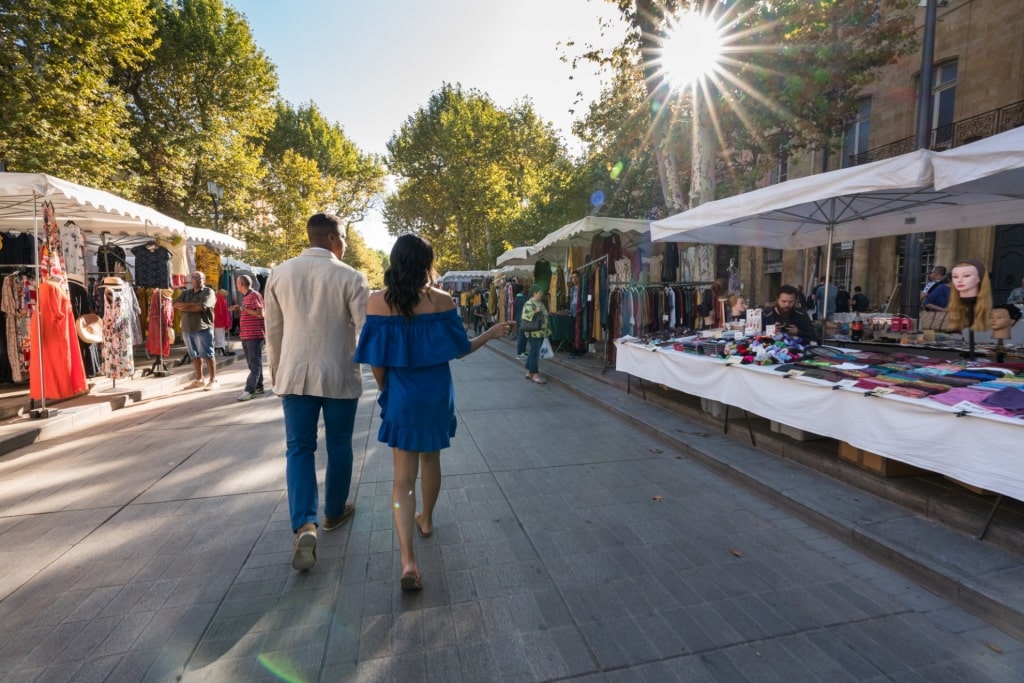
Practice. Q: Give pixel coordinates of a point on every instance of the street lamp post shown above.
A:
(216, 193)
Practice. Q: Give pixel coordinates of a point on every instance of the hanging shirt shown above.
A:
(152, 266)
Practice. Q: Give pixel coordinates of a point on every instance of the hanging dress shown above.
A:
(63, 373)
(161, 319)
(118, 359)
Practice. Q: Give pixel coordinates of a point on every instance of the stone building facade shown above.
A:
(978, 92)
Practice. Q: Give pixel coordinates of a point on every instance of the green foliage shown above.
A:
(364, 259)
(293, 190)
(468, 172)
(60, 112)
(199, 106)
(795, 69)
(358, 177)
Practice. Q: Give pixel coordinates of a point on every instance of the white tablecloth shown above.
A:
(986, 451)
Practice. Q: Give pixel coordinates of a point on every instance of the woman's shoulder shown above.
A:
(376, 304)
(440, 300)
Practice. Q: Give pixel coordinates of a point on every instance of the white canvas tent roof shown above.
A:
(213, 238)
(993, 165)
(516, 256)
(93, 210)
(585, 227)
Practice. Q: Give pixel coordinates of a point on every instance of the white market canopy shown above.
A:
(213, 239)
(587, 227)
(95, 211)
(922, 191)
(517, 256)
(454, 276)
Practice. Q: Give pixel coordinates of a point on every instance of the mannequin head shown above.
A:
(967, 278)
(970, 283)
(737, 305)
(1001, 319)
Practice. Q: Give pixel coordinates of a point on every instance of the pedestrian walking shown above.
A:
(251, 330)
(314, 307)
(412, 331)
(536, 331)
(196, 305)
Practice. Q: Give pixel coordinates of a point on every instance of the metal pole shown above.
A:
(910, 294)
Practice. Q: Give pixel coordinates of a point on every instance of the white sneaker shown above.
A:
(245, 396)
(213, 384)
(196, 383)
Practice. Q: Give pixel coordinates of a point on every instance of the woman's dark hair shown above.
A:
(412, 260)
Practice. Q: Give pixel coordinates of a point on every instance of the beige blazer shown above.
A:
(314, 308)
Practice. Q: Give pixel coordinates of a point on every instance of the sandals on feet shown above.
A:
(411, 582)
(539, 380)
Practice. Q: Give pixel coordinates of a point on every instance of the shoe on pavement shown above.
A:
(197, 383)
(213, 384)
(332, 523)
(304, 552)
(245, 396)
(258, 391)
(522, 356)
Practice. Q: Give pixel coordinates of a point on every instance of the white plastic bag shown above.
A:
(545, 349)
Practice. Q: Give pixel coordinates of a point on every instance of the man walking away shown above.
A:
(251, 331)
(315, 307)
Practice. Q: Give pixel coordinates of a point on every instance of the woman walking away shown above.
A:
(537, 330)
(412, 331)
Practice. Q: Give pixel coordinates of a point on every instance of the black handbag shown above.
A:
(535, 324)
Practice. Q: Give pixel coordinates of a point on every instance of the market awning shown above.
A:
(213, 238)
(92, 210)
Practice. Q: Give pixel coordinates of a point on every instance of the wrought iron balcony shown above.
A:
(956, 134)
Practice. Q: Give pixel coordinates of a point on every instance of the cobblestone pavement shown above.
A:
(568, 545)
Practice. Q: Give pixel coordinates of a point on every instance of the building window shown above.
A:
(773, 260)
(855, 137)
(943, 105)
(780, 173)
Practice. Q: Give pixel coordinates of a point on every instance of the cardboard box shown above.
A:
(793, 432)
(878, 464)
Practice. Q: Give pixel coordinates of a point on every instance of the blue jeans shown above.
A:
(520, 343)
(533, 355)
(301, 415)
(199, 344)
(254, 360)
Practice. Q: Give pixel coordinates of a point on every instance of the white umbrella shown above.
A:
(993, 165)
(889, 197)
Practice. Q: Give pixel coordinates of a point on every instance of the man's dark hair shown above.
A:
(857, 288)
(788, 289)
(320, 225)
(941, 270)
(246, 280)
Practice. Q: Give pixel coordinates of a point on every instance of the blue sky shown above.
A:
(370, 64)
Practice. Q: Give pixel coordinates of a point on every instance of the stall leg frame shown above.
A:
(746, 417)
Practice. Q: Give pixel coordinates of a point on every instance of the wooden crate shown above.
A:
(878, 464)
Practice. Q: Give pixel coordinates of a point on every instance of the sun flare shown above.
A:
(691, 48)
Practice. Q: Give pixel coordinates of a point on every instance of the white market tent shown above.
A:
(587, 227)
(462, 276)
(889, 197)
(213, 239)
(94, 211)
(517, 256)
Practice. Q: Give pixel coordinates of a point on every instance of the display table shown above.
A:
(982, 450)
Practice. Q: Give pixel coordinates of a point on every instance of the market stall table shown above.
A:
(980, 449)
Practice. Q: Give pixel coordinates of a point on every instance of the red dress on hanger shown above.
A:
(63, 369)
(161, 319)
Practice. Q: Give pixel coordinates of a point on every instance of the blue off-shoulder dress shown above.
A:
(417, 403)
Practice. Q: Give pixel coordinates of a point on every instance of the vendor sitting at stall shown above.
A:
(786, 317)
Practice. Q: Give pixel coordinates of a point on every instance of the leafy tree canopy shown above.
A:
(59, 109)
(467, 172)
